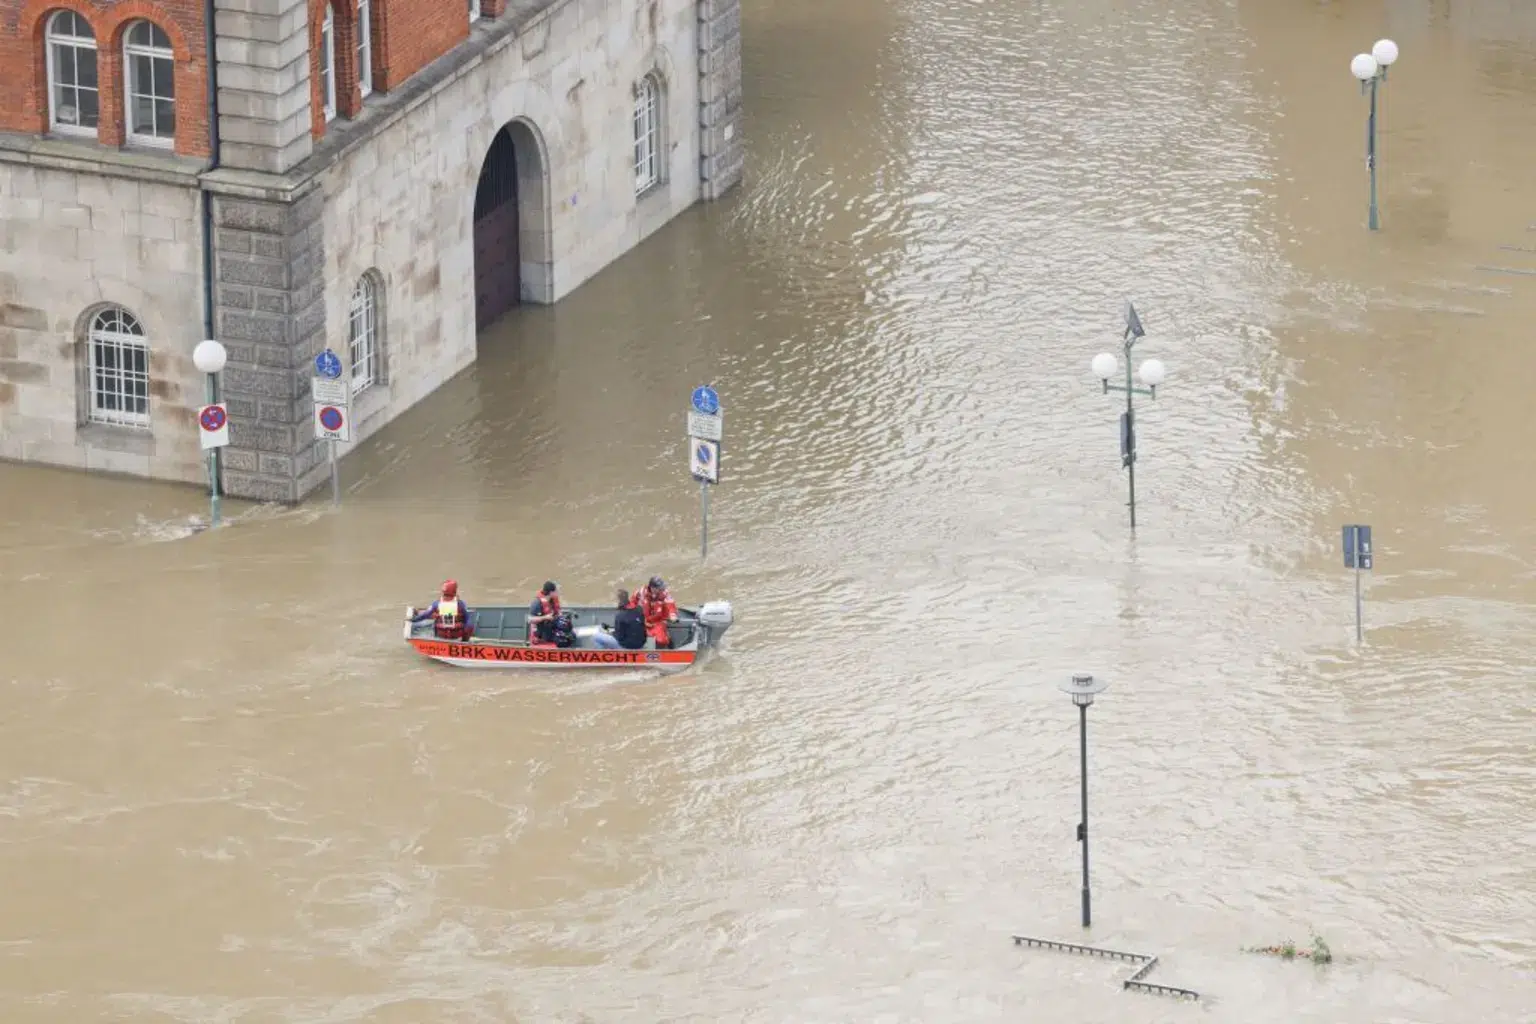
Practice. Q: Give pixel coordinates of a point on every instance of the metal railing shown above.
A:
(1134, 983)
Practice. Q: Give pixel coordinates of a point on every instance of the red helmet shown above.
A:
(450, 588)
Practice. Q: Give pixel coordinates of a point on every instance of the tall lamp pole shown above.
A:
(209, 357)
(1152, 373)
(1371, 70)
(1083, 688)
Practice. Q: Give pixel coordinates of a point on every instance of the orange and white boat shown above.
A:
(500, 640)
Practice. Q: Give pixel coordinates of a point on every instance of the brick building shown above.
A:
(377, 176)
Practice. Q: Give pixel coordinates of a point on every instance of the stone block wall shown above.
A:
(722, 153)
(270, 311)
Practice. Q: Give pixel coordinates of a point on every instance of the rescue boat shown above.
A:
(500, 640)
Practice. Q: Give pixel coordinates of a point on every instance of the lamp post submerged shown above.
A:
(209, 357)
(1152, 374)
(1082, 689)
(1371, 70)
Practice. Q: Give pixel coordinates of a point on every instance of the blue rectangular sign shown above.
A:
(1357, 547)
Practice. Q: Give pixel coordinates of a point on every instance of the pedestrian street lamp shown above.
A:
(1371, 70)
(209, 357)
(1082, 689)
(1152, 373)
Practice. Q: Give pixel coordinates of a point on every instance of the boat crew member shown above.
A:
(628, 627)
(659, 609)
(541, 614)
(451, 617)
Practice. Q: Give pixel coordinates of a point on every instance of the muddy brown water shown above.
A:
(230, 794)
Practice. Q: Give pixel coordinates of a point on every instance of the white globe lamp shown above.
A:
(1105, 365)
(1363, 67)
(209, 356)
(1153, 372)
(1384, 52)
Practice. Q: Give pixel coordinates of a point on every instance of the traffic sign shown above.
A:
(213, 421)
(1357, 548)
(328, 364)
(332, 422)
(707, 427)
(704, 460)
(706, 400)
(329, 391)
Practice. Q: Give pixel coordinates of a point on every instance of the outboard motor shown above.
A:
(714, 618)
(564, 631)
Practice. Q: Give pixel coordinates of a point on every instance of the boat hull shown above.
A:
(463, 655)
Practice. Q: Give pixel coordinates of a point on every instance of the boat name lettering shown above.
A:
(478, 652)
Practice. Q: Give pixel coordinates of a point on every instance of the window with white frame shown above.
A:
(647, 134)
(364, 48)
(328, 64)
(150, 69)
(74, 95)
(363, 335)
(474, 10)
(117, 368)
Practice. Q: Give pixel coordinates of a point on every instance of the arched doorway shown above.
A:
(511, 225)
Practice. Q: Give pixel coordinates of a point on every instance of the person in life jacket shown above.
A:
(451, 617)
(659, 609)
(541, 615)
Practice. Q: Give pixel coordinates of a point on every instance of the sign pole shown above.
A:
(213, 458)
(1359, 609)
(335, 474)
(705, 429)
(1359, 557)
(333, 413)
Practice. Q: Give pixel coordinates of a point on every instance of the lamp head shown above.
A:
(1105, 365)
(209, 356)
(1363, 67)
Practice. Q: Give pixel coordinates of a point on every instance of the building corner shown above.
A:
(721, 150)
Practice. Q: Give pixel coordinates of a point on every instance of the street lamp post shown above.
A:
(209, 357)
(1152, 373)
(1083, 688)
(1371, 70)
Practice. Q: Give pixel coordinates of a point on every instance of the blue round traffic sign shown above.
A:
(703, 454)
(212, 419)
(328, 365)
(706, 400)
(330, 418)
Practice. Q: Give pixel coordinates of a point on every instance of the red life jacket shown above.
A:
(449, 621)
(547, 606)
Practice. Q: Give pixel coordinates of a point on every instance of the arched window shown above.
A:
(364, 48)
(328, 64)
(149, 68)
(647, 134)
(117, 368)
(363, 335)
(74, 97)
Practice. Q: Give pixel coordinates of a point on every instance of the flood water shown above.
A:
(231, 794)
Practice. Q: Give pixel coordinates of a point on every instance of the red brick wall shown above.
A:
(24, 71)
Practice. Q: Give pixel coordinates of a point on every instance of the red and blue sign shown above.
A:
(213, 418)
(331, 418)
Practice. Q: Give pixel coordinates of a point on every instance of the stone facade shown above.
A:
(298, 217)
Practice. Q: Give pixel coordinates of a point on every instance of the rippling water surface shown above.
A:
(276, 814)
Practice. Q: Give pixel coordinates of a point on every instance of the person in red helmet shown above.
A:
(451, 617)
(659, 609)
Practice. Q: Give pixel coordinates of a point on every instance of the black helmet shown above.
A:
(657, 583)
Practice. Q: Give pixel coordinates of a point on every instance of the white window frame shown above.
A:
(114, 329)
(363, 334)
(53, 40)
(474, 11)
(153, 53)
(328, 65)
(647, 134)
(364, 28)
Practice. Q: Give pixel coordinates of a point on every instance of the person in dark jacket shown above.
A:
(628, 627)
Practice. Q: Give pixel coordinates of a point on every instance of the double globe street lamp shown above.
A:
(1371, 70)
(1152, 374)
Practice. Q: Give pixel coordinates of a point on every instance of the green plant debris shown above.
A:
(1318, 952)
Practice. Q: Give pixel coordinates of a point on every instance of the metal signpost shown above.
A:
(705, 430)
(1152, 374)
(212, 419)
(333, 419)
(1358, 556)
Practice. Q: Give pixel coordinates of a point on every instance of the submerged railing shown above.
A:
(1134, 983)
